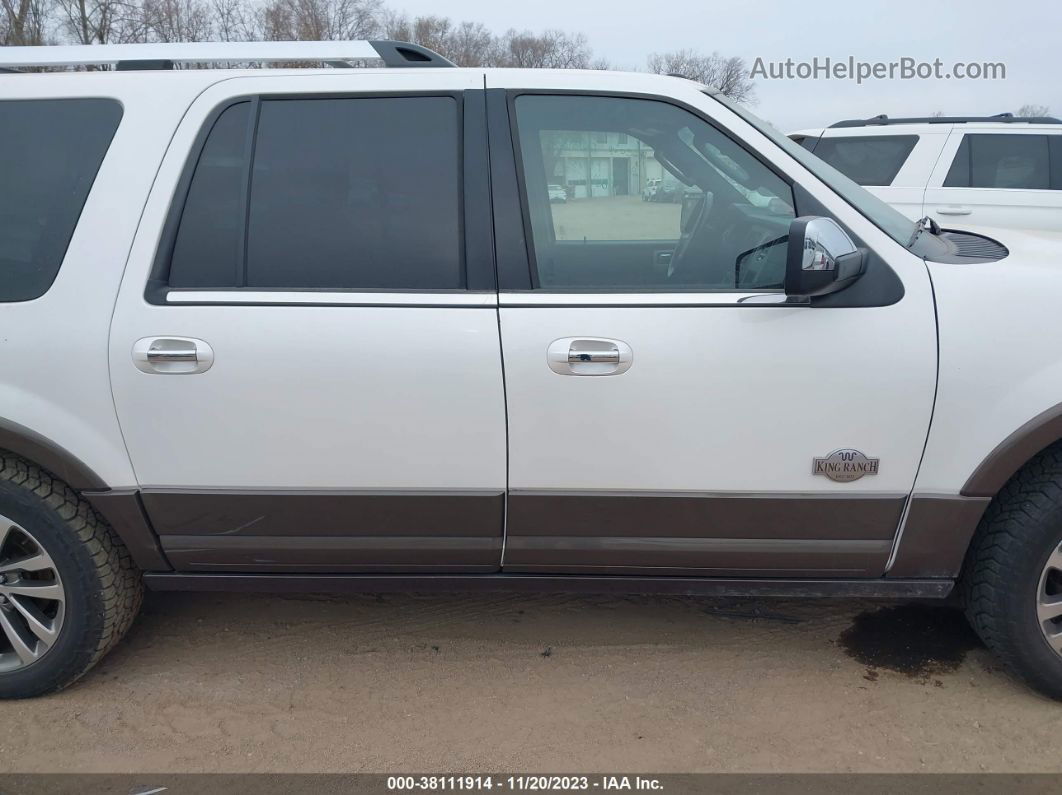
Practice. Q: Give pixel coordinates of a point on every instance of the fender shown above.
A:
(121, 509)
(1012, 453)
(938, 528)
(44, 452)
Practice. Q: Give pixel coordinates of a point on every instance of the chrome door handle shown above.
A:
(611, 356)
(189, 354)
(954, 209)
(589, 356)
(172, 355)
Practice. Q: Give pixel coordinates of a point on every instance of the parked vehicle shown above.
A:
(1000, 170)
(651, 187)
(557, 194)
(667, 193)
(320, 330)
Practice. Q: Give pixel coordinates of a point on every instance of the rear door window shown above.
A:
(867, 160)
(50, 152)
(1001, 161)
(359, 193)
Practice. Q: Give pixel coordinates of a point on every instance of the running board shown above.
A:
(535, 583)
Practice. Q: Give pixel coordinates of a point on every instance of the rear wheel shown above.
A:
(68, 589)
(1012, 582)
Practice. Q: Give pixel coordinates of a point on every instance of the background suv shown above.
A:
(992, 171)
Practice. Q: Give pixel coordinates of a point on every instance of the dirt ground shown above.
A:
(507, 683)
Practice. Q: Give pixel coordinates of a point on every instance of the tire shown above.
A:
(1009, 571)
(100, 589)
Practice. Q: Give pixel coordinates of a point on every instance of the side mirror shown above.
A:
(821, 258)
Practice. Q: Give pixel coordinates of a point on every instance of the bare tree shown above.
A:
(177, 20)
(234, 20)
(472, 44)
(320, 20)
(551, 49)
(23, 22)
(100, 21)
(1033, 111)
(729, 75)
(464, 43)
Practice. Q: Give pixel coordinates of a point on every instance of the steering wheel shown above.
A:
(698, 214)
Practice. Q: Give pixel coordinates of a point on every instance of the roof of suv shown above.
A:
(883, 125)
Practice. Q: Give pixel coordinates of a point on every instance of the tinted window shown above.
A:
(359, 193)
(50, 151)
(1001, 161)
(208, 243)
(867, 160)
(675, 205)
(1056, 161)
(959, 173)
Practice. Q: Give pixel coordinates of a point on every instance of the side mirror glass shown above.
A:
(821, 259)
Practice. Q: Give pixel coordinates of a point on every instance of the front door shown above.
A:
(306, 368)
(664, 419)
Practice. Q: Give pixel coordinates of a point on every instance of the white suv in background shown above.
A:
(999, 171)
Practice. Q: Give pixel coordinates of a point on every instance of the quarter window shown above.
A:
(50, 151)
(360, 193)
(867, 160)
(679, 206)
(1001, 161)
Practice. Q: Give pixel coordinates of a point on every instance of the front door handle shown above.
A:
(609, 356)
(172, 355)
(954, 209)
(589, 356)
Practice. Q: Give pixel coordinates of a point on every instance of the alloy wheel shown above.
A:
(1049, 600)
(32, 598)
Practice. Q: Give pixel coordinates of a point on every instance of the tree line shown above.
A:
(466, 43)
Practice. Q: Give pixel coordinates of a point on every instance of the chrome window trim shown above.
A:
(329, 298)
(650, 299)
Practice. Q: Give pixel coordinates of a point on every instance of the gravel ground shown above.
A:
(507, 683)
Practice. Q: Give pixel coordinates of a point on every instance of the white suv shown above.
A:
(323, 329)
(999, 171)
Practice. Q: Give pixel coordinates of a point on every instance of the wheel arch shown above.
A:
(1014, 452)
(41, 450)
(121, 508)
(940, 528)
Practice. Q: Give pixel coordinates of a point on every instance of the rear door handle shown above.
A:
(954, 209)
(610, 356)
(172, 355)
(589, 356)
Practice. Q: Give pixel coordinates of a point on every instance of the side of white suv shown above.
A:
(999, 171)
(323, 329)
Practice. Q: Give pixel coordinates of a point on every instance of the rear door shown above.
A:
(1010, 179)
(669, 418)
(304, 353)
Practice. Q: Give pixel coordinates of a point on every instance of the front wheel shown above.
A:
(68, 589)
(1012, 581)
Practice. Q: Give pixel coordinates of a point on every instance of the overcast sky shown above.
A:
(1026, 35)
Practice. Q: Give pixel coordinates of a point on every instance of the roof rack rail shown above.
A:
(1006, 118)
(164, 56)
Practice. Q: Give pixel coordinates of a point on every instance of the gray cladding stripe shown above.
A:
(330, 553)
(693, 515)
(736, 555)
(346, 531)
(325, 513)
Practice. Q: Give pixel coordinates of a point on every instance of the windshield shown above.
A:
(897, 226)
